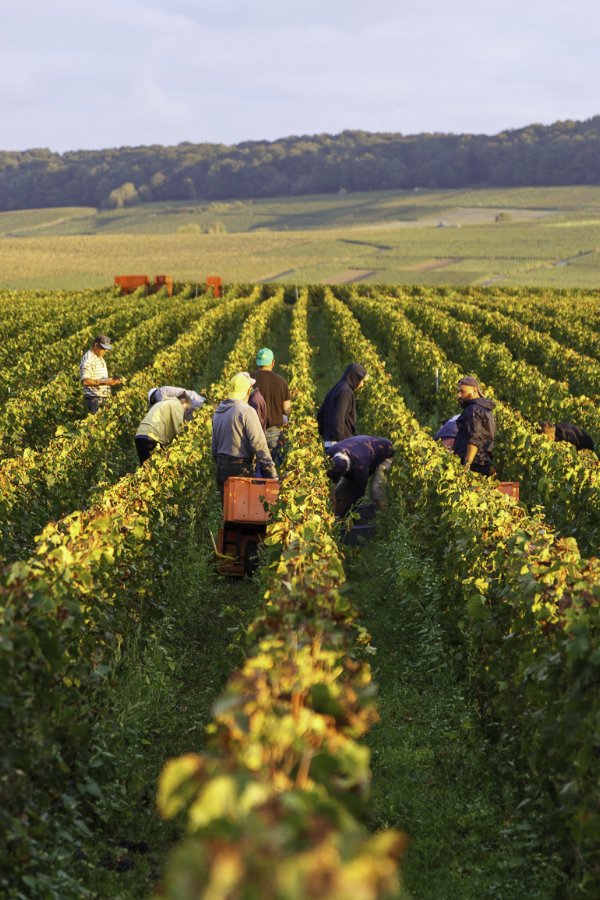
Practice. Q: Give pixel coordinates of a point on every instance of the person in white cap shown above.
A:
(94, 374)
(156, 394)
(238, 441)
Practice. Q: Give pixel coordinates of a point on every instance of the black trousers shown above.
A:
(228, 466)
(144, 446)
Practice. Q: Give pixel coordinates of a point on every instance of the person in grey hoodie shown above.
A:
(238, 441)
(474, 441)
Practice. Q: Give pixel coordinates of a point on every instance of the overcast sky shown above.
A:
(76, 74)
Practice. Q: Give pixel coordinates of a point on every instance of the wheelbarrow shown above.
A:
(246, 513)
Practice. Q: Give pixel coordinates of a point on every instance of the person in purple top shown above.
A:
(447, 432)
(257, 402)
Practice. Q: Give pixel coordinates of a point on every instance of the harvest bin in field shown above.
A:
(510, 488)
(164, 281)
(130, 283)
(246, 512)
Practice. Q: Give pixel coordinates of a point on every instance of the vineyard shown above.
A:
(417, 717)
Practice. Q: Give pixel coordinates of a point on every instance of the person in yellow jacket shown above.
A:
(161, 424)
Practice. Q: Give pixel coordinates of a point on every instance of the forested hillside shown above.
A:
(560, 154)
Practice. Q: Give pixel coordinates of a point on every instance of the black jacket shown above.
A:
(365, 453)
(337, 414)
(476, 425)
(573, 434)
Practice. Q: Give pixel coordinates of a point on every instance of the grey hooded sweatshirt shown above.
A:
(236, 431)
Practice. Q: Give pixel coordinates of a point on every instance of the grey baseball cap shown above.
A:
(103, 341)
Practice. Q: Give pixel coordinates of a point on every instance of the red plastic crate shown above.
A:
(510, 488)
(244, 498)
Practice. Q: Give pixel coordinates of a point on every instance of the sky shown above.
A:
(76, 74)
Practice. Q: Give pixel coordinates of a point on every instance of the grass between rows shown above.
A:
(435, 775)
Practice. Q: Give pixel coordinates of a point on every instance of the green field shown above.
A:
(548, 237)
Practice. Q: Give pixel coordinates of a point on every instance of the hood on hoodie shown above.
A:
(485, 402)
(353, 375)
(225, 405)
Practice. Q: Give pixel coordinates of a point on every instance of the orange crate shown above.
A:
(130, 283)
(161, 281)
(510, 488)
(244, 498)
(214, 282)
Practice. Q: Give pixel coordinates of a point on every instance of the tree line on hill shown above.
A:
(561, 154)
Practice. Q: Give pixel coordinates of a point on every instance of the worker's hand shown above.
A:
(114, 381)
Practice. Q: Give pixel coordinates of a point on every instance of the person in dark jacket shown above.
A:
(474, 441)
(337, 414)
(354, 460)
(565, 431)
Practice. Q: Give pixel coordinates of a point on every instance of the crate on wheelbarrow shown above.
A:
(248, 499)
(246, 512)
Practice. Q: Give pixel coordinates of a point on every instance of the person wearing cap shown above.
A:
(156, 394)
(565, 431)
(238, 441)
(354, 460)
(276, 393)
(94, 374)
(337, 414)
(476, 427)
(163, 422)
